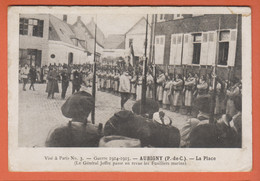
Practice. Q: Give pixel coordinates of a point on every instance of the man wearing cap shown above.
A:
(52, 85)
(199, 133)
(160, 81)
(124, 88)
(77, 80)
(78, 132)
(64, 81)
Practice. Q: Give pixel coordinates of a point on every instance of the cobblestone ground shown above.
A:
(37, 114)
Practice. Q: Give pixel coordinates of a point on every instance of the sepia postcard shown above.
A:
(129, 89)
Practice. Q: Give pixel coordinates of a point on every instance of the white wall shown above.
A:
(61, 51)
(113, 53)
(138, 36)
(32, 42)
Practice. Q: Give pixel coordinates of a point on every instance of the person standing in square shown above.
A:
(124, 88)
(24, 75)
(64, 81)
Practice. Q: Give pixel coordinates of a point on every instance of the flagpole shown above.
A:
(153, 60)
(143, 98)
(213, 98)
(94, 76)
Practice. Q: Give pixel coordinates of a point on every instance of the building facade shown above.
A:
(199, 42)
(135, 40)
(46, 39)
(114, 46)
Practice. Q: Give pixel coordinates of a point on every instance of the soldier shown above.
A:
(188, 90)
(139, 87)
(32, 76)
(167, 92)
(176, 93)
(219, 96)
(202, 86)
(160, 80)
(232, 92)
(65, 77)
(116, 84)
(133, 85)
(124, 88)
(112, 86)
(52, 85)
(98, 79)
(24, 74)
(76, 81)
(78, 132)
(150, 84)
(108, 80)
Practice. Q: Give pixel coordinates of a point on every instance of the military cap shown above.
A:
(203, 103)
(78, 105)
(151, 106)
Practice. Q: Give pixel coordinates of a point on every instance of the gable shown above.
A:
(114, 42)
(61, 29)
(138, 28)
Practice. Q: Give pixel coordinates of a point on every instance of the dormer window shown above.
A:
(177, 16)
(161, 17)
(75, 41)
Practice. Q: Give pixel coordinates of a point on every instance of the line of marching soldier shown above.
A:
(174, 92)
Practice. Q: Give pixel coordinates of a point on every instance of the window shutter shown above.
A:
(212, 46)
(179, 48)
(204, 49)
(187, 49)
(232, 47)
(173, 49)
(159, 50)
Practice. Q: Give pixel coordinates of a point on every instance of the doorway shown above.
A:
(70, 58)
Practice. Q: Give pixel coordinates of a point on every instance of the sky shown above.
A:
(109, 24)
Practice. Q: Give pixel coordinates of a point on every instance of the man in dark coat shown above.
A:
(151, 106)
(78, 132)
(52, 85)
(77, 80)
(199, 133)
(126, 123)
(64, 81)
(32, 76)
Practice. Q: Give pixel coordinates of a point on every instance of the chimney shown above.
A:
(65, 17)
(78, 18)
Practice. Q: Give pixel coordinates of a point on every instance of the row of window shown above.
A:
(30, 57)
(31, 27)
(167, 17)
(199, 48)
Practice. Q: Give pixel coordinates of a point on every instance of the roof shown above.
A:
(100, 35)
(139, 21)
(81, 30)
(115, 41)
(61, 31)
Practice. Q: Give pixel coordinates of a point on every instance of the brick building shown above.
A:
(186, 42)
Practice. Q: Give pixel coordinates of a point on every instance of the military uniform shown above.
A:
(78, 132)
(64, 83)
(160, 81)
(150, 84)
(189, 85)
(176, 96)
(76, 81)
